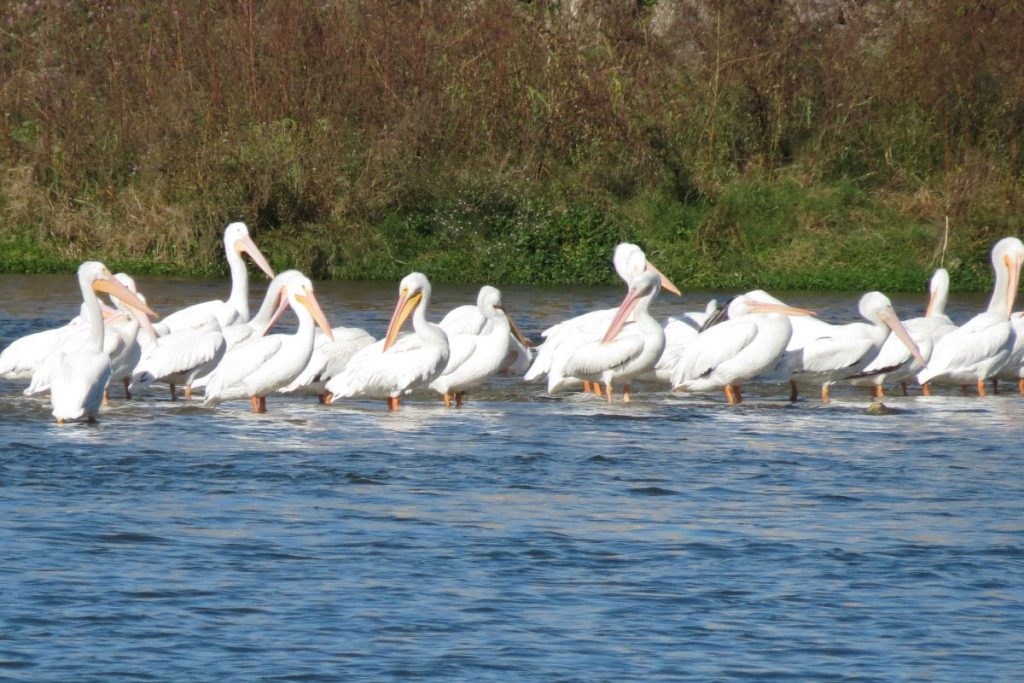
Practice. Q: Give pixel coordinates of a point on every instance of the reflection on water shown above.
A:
(521, 537)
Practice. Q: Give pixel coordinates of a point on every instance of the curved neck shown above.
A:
(239, 299)
(92, 307)
(420, 324)
(266, 312)
(998, 304)
(939, 300)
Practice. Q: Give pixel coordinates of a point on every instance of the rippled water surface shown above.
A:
(519, 538)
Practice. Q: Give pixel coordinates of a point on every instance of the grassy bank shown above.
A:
(792, 144)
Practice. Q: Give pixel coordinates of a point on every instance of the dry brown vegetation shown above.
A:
(361, 138)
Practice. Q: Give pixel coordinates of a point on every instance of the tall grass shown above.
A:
(776, 142)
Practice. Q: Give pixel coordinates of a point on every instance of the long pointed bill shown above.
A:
(1013, 265)
(115, 288)
(625, 308)
(665, 282)
(278, 312)
(890, 319)
(313, 306)
(248, 246)
(931, 304)
(765, 307)
(515, 329)
(403, 309)
(143, 320)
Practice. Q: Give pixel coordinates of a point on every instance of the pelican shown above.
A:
(894, 362)
(80, 375)
(625, 351)
(838, 351)
(264, 319)
(1013, 368)
(395, 366)
(236, 308)
(330, 356)
(471, 320)
(263, 365)
(629, 260)
(182, 356)
(476, 357)
(680, 330)
(126, 324)
(728, 354)
(977, 350)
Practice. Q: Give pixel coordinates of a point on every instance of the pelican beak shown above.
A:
(625, 308)
(140, 310)
(281, 306)
(665, 282)
(766, 307)
(516, 332)
(245, 244)
(889, 318)
(1013, 266)
(310, 303)
(403, 309)
(931, 304)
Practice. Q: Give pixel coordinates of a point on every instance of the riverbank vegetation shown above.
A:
(777, 143)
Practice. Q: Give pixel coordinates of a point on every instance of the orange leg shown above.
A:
(926, 389)
(188, 392)
(596, 387)
(824, 394)
(981, 388)
(1020, 385)
(625, 394)
(325, 397)
(259, 404)
(392, 403)
(106, 397)
(608, 390)
(447, 400)
(730, 399)
(586, 386)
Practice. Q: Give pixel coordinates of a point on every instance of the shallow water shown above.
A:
(519, 538)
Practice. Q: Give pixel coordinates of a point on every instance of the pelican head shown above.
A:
(938, 293)
(299, 292)
(877, 308)
(629, 261)
(1007, 258)
(644, 287)
(746, 304)
(489, 302)
(413, 290)
(95, 276)
(237, 240)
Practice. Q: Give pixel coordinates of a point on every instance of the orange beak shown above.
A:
(403, 309)
(245, 244)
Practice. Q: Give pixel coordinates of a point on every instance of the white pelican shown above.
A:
(126, 324)
(470, 320)
(894, 362)
(181, 357)
(726, 355)
(394, 366)
(263, 365)
(477, 356)
(274, 303)
(629, 261)
(1013, 368)
(977, 350)
(236, 308)
(838, 351)
(80, 375)
(627, 349)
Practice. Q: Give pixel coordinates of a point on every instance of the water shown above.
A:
(520, 538)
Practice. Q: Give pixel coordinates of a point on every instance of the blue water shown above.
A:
(520, 538)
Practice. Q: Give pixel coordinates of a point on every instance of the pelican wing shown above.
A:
(237, 364)
(594, 358)
(178, 352)
(463, 320)
(981, 338)
(831, 353)
(711, 348)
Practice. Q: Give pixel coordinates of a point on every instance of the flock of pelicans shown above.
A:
(216, 347)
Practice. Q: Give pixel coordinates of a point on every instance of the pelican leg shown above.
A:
(1020, 386)
(392, 403)
(995, 385)
(903, 387)
(625, 394)
(737, 393)
(254, 404)
(60, 420)
(792, 391)
(597, 388)
(188, 392)
(586, 386)
(259, 404)
(174, 393)
(825, 398)
(325, 398)
(106, 397)
(127, 391)
(981, 388)
(447, 400)
(965, 389)
(458, 399)
(607, 390)
(926, 389)
(730, 399)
